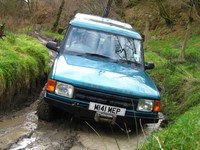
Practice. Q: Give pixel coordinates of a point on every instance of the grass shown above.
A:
(179, 85)
(54, 35)
(176, 80)
(184, 133)
(22, 59)
(42, 31)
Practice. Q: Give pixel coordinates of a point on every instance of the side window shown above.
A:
(72, 38)
(137, 54)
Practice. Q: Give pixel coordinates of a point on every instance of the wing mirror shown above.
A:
(149, 65)
(52, 45)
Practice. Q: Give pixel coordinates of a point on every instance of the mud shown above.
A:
(22, 130)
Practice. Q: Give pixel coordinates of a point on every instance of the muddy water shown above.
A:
(105, 137)
(108, 140)
(22, 130)
(14, 127)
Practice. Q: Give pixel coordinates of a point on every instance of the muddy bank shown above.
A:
(20, 92)
(26, 86)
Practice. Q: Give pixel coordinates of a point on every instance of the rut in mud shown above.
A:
(23, 130)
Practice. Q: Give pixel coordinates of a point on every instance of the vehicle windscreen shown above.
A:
(96, 43)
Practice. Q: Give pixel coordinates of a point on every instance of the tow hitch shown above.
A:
(99, 116)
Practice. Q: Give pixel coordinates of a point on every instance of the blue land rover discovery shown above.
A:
(99, 73)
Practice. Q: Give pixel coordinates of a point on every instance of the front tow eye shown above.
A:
(104, 117)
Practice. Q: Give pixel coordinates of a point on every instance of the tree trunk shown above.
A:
(107, 9)
(187, 34)
(55, 25)
(29, 6)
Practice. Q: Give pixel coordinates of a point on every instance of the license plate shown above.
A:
(107, 109)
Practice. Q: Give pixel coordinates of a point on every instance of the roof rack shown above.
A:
(103, 20)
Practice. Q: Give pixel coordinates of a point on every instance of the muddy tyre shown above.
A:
(46, 111)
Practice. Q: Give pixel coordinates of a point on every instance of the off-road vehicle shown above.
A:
(99, 73)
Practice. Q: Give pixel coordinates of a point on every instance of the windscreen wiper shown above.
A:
(129, 62)
(88, 54)
(97, 55)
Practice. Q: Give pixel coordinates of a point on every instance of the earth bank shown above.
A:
(23, 70)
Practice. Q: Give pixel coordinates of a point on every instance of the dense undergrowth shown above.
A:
(22, 59)
(179, 84)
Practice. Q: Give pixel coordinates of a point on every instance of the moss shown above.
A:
(22, 58)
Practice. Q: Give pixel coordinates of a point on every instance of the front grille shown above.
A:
(105, 98)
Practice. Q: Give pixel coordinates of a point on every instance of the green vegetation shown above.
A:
(183, 134)
(54, 35)
(22, 59)
(179, 83)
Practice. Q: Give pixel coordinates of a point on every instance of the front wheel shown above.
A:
(46, 111)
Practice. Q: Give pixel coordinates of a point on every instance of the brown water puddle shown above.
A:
(16, 127)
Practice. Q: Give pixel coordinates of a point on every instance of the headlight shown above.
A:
(64, 89)
(145, 105)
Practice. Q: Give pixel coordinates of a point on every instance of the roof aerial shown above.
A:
(103, 20)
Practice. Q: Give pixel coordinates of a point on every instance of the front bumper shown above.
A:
(80, 109)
